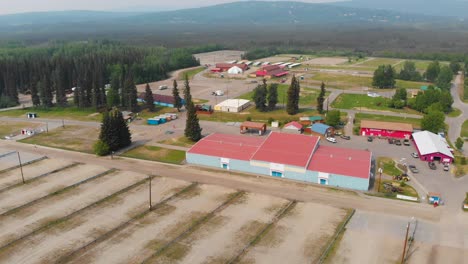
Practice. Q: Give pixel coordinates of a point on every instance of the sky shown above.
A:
(21, 6)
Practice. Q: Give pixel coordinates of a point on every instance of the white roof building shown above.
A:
(235, 70)
(430, 144)
(232, 105)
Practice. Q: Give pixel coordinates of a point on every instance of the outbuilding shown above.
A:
(432, 147)
(235, 70)
(232, 105)
(161, 99)
(289, 156)
(386, 129)
(222, 67)
(293, 127)
(322, 129)
(271, 71)
(249, 126)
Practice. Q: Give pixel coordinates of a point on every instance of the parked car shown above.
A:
(338, 133)
(398, 142)
(370, 139)
(413, 169)
(345, 137)
(446, 167)
(332, 140)
(391, 141)
(162, 87)
(414, 155)
(406, 142)
(432, 165)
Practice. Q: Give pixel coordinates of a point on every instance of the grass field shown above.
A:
(181, 142)
(364, 102)
(8, 128)
(379, 61)
(74, 138)
(156, 154)
(360, 116)
(343, 81)
(406, 189)
(308, 96)
(190, 73)
(464, 131)
(388, 166)
(455, 112)
(256, 116)
(88, 114)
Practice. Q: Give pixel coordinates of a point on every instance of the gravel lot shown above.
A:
(11, 160)
(326, 61)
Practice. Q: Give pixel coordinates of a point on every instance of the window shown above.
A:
(225, 166)
(276, 173)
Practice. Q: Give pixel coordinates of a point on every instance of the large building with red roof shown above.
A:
(271, 71)
(291, 156)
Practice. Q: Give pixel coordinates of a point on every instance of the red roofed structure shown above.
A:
(271, 71)
(288, 149)
(350, 162)
(228, 146)
(222, 67)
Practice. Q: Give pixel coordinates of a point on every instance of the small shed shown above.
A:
(235, 70)
(322, 129)
(31, 115)
(308, 120)
(232, 105)
(249, 126)
(293, 126)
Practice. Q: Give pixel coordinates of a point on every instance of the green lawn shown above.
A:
(190, 73)
(388, 166)
(380, 61)
(256, 116)
(8, 128)
(87, 114)
(416, 122)
(308, 95)
(156, 154)
(464, 131)
(406, 190)
(455, 112)
(364, 102)
(181, 142)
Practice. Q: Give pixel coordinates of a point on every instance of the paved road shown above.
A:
(455, 123)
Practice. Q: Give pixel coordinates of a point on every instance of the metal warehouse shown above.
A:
(432, 147)
(290, 156)
(386, 129)
(232, 105)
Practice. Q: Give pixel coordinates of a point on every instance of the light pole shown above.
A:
(21, 167)
(380, 177)
(150, 205)
(406, 240)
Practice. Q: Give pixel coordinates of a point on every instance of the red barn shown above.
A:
(222, 67)
(271, 71)
(386, 129)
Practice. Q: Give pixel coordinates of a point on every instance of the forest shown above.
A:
(52, 71)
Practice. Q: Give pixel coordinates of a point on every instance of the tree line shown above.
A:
(49, 73)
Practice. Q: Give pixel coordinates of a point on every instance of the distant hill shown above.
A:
(449, 8)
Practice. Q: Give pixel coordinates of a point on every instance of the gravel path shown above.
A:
(34, 190)
(62, 205)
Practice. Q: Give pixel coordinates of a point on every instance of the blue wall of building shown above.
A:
(307, 176)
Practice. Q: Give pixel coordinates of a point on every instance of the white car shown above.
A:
(163, 87)
(332, 140)
(415, 155)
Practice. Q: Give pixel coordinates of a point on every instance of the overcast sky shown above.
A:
(20, 6)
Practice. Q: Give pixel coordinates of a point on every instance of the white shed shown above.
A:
(235, 70)
(232, 105)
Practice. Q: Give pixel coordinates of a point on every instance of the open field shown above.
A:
(57, 113)
(308, 96)
(76, 138)
(8, 128)
(190, 73)
(464, 131)
(156, 154)
(376, 62)
(180, 142)
(218, 56)
(414, 121)
(364, 102)
(106, 220)
(326, 61)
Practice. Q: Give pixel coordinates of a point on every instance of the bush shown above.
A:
(101, 148)
(356, 131)
(249, 118)
(463, 160)
(270, 120)
(402, 184)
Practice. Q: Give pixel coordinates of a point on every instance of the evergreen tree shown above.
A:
(459, 143)
(384, 77)
(292, 105)
(272, 96)
(192, 125)
(130, 95)
(45, 93)
(321, 98)
(114, 130)
(260, 97)
(34, 93)
(149, 100)
(175, 94)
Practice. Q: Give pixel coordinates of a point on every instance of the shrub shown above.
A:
(249, 118)
(101, 148)
(463, 160)
(402, 184)
(270, 120)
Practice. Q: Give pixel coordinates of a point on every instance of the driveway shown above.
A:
(455, 123)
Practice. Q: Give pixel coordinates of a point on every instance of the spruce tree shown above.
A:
(272, 96)
(34, 94)
(114, 130)
(292, 106)
(321, 98)
(260, 97)
(192, 125)
(129, 94)
(149, 100)
(175, 94)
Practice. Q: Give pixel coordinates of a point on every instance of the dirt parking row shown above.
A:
(11, 160)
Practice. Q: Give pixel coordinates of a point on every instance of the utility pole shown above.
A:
(150, 205)
(63, 123)
(406, 241)
(380, 178)
(47, 127)
(21, 167)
